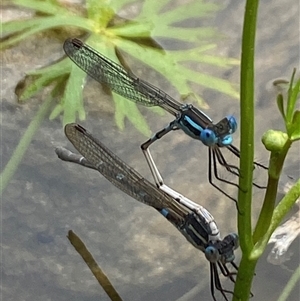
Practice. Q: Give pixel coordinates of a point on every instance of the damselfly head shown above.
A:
(223, 131)
(222, 250)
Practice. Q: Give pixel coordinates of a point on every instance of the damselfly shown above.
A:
(191, 120)
(192, 220)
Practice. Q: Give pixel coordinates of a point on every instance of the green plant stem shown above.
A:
(242, 289)
(267, 209)
(246, 270)
(20, 150)
(247, 125)
(276, 164)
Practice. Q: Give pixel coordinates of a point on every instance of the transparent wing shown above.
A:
(117, 78)
(118, 172)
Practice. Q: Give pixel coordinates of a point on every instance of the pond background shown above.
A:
(142, 254)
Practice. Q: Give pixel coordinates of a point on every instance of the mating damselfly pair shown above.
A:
(191, 219)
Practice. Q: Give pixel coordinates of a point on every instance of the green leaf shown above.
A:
(127, 109)
(72, 101)
(37, 80)
(12, 27)
(117, 5)
(184, 34)
(280, 105)
(175, 14)
(47, 7)
(45, 23)
(57, 92)
(58, 109)
(28, 87)
(168, 65)
(152, 8)
(295, 127)
(134, 30)
(198, 55)
(292, 98)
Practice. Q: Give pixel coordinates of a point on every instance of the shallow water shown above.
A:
(144, 256)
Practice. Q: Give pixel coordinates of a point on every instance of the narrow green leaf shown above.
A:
(47, 7)
(56, 93)
(72, 99)
(293, 97)
(62, 67)
(32, 86)
(46, 23)
(12, 27)
(58, 109)
(191, 35)
(221, 62)
(134, 30)
(152, 8)
(193, 9)
(117, 5)
(157, 110)
(289, 108)
(211, 82)
(290, 286)
(20, 150)
(128, 109)
(119, 118)
(37, 80)
(281, 106)
(295, 127)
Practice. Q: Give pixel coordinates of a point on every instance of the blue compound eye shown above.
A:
(208, 137)
(212, 254)
(232, 123)
(227, 140)
(235, 239)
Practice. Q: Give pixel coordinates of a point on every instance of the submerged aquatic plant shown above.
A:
(113, 36)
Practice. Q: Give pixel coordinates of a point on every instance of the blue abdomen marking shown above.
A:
(164, 212)
(190, 127)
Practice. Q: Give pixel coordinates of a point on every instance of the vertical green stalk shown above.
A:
(246, 270)
(20, 150)
(290, 285)
(264, 220)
